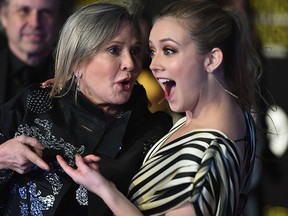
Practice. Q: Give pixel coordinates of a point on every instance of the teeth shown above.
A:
(162, 80)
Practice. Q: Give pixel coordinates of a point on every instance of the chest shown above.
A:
(182, 130)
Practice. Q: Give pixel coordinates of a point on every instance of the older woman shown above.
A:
(93, 107)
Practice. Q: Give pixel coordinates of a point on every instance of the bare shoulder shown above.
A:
(233, 124)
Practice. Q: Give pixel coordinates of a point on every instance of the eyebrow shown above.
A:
(165, 40)
(137, 42)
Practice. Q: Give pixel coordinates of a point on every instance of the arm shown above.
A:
(87, 174)
(186, 209)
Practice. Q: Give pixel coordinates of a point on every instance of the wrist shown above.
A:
(109, 192)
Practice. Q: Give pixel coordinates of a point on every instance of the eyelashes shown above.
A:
(169, 51)
(116, 50)
(166, 51)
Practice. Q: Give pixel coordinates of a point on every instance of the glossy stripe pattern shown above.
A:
(203, 167)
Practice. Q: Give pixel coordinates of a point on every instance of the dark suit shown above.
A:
(16, 75)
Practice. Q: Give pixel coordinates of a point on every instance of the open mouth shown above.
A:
(126, 84)
(168, 85)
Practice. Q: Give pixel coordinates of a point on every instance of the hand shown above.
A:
(87, 172)
(48, 82)
(21, 154)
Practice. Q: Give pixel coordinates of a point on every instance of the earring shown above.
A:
(226, 90)
(78, 77)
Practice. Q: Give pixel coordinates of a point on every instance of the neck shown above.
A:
(112, 110)
(28, 58)
(220, 81)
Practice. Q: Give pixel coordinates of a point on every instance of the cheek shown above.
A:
(177, 66)
(92, 85)
(12, 24)
(92, 78)
(190, 78)
(50, 24)
(96, 77)
(101, 71)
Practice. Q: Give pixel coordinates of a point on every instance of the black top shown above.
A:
(66, 128)
(17, 75)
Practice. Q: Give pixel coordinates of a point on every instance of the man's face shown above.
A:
(31, 27)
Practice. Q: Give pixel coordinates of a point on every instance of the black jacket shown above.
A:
(11, 84)
(66, 128)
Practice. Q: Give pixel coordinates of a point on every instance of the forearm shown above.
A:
(118, 203)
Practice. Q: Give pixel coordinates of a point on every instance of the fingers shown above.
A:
(42, 164)
(91, 158)
(29, 141)
(34, 152)
(84, 164)
(21, 153)
(48, 82)
(69, 170)
(92, 161)
(36, 159)
(80, 162)
(62, 162)
(84, 175)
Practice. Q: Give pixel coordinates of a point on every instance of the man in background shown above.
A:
(30, 32)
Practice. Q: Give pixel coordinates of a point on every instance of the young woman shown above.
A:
(204, 59)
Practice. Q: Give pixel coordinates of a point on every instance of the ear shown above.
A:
(78, 74)
(76, 70)
(213, 60)
(3, 15)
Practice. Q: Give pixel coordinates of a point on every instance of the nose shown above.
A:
(127, 63)
(34, 19)
(155, 64)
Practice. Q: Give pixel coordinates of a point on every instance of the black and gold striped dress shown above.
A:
(203, 167)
